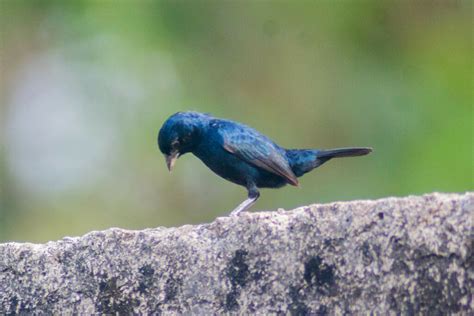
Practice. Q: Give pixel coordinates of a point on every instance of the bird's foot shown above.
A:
(243, 206)
(236, 212)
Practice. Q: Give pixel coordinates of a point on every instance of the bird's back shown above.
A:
(241, 154)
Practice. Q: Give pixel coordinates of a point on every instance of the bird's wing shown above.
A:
(256, 149)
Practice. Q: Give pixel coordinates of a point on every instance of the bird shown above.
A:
(241, 154)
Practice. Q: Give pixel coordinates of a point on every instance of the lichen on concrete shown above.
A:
(391, 256)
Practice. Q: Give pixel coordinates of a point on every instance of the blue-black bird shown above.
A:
(241, 154)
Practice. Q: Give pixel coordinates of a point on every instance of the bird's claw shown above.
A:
(236, 213)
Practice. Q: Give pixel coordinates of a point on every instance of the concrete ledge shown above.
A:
(395, 255)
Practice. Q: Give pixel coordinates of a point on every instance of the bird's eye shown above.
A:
(175, 143)
(186, 138)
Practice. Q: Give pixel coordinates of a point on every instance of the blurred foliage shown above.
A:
(86, 85)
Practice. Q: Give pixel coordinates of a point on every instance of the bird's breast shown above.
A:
(223, 163)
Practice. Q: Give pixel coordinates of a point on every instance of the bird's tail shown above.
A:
(305, 160)
(344, 152)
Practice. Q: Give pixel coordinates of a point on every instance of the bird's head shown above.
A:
(180, 134)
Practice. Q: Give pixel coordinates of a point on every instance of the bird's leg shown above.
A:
(252, 198)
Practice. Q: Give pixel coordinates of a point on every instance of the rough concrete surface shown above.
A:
(410, 255)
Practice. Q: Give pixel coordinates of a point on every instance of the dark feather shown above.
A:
(256, 149)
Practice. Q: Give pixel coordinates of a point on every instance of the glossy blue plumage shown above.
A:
(239, 153)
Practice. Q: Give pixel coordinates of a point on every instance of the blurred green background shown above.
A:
(86, 85)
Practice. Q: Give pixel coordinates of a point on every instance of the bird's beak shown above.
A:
(171, 159)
